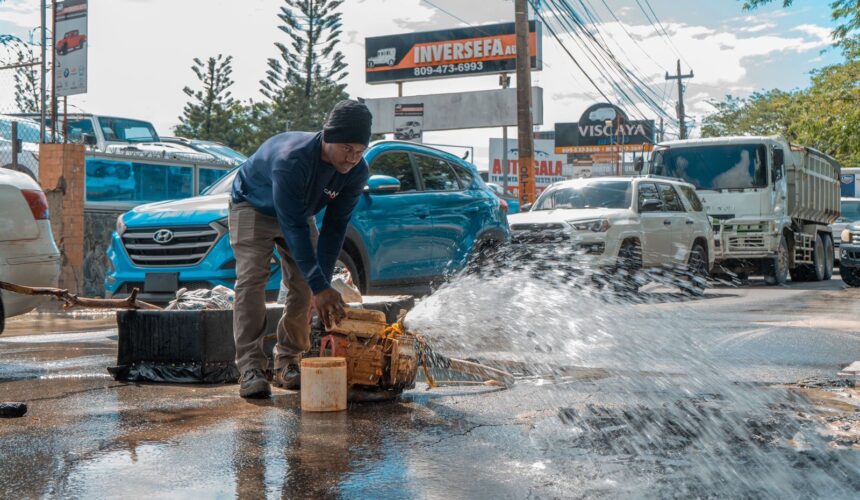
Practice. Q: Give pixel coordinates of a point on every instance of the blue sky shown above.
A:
(140, 51)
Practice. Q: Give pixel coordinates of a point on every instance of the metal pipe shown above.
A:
(15, 150)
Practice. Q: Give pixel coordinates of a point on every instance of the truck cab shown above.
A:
(770, 202)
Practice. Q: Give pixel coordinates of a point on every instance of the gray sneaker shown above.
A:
(253, 384)
(288, 378)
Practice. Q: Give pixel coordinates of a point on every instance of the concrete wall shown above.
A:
(99, 226)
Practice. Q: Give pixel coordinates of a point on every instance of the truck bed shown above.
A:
(813, 185)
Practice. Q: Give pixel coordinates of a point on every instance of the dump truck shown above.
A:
(770, 202)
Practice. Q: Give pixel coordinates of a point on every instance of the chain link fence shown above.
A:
(20, 94)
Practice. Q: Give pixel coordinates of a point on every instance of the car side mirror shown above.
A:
(651, 205)
(89, 139)
(639, 164)
(527, 207)
(778, 164)
(381, 184)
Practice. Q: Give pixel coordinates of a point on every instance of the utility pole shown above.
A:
(525, 142)
(505, 82)
(681, 117)
(53, 71)
(660, 134)
(42, 77)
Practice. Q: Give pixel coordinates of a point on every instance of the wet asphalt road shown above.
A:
(570, 431)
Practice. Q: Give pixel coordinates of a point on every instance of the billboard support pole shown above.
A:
(399, 89)
(525, 144)
(53, 71)
(43, 68)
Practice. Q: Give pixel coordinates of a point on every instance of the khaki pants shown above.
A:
(253, 237)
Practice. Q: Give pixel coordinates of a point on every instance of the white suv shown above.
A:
(624, 223)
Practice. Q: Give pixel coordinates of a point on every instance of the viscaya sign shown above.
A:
(447, 53)
(604, 128)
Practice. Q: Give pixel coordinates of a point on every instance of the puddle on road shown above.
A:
(679, 422)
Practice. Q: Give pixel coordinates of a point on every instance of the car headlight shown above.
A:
(594, 225)
(120, 226)
(846, 235)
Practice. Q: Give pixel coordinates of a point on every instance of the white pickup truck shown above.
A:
(770, 202)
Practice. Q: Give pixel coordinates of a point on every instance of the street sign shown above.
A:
(70, 47)
(447, 53)
(604, 128)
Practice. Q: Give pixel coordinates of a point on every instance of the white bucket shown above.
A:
(323, 384)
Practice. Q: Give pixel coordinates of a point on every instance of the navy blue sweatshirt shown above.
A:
(286, 178)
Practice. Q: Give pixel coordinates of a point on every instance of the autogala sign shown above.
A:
(549, 167)
(70, 47)
(447, 53)
(604, 128)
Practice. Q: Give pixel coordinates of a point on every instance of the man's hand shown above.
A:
(330, 306)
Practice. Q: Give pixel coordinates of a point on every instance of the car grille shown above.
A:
(188, 246)
(538, 233)
(742, 243)
(855, 238)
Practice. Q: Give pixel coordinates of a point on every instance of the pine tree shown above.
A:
(210, 114)
(304, 84)
(27, 85)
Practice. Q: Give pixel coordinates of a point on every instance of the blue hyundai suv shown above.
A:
(423, 215)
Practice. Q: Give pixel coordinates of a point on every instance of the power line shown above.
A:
(605, 60)
(661, 31)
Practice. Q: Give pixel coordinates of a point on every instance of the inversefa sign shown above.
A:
(447, 53)
(604, 128)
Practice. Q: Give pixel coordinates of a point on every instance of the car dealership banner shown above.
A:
(408, 121)
(549, 167)
(70, 47)
(604, 128)
(448, 53)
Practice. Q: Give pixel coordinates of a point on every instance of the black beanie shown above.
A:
(348, 122)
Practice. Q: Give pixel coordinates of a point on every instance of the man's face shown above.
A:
(343, 157)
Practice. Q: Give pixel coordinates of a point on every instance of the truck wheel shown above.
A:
(828, 256)
(695, 278)
(850, 275)
(776, 271)
(2, 315)
(818, 261)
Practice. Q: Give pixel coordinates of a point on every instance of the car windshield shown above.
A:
(124, 130)
(850, 211)
(224, 184)
(597, 194)
(27, 131)
(737, 166)
(221, 151)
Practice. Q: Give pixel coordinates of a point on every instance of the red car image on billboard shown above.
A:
(72, 40)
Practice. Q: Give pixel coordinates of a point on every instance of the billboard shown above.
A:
(604, 128)
(408, 121)
(447, 53)
(549, 167)
(454, 111)
(70, 47)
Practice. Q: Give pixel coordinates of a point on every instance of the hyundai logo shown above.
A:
(163, 236)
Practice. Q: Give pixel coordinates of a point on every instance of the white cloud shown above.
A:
(141, 52)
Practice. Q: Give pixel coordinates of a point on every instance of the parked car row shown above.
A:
(424, 213)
